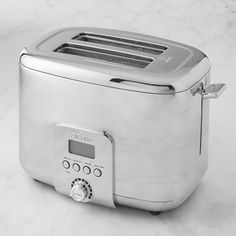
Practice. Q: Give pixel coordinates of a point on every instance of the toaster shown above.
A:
(115, 118)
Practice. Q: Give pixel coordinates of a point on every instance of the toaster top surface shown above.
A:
(118, 59)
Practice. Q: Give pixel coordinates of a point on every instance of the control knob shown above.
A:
(81, 191)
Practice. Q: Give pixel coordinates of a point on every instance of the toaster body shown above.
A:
(114, 132)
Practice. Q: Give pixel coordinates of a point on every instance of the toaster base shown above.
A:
(152, 206)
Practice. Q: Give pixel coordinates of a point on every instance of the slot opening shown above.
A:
(105, 55)
(121, 43)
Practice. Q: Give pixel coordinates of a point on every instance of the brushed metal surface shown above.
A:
(157, 116)
(156, 137)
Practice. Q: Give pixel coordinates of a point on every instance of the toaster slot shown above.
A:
(105, 55)
(121, 43)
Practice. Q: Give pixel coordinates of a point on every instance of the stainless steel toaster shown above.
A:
(115, 118)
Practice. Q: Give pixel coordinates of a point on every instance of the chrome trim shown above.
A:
(167, 89)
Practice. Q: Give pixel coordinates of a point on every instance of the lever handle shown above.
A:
(213, 91)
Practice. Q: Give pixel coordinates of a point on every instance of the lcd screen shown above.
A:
(81, 149)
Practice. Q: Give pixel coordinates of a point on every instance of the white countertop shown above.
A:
(31, 208)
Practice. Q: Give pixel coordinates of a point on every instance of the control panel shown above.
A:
(84, 164)
(78, 166)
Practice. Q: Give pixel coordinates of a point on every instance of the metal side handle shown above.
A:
(213, 91)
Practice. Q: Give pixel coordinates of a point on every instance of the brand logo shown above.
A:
(81, 136)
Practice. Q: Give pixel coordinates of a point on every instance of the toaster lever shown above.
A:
(213, 91)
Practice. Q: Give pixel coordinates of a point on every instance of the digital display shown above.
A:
(81, 149)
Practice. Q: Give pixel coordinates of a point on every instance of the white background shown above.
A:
(30, 208)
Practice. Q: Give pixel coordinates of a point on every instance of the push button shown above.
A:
(76, 167)
(66, 164)
(97, 172)
(86, 170)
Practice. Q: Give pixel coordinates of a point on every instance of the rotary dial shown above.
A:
(81, 191)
